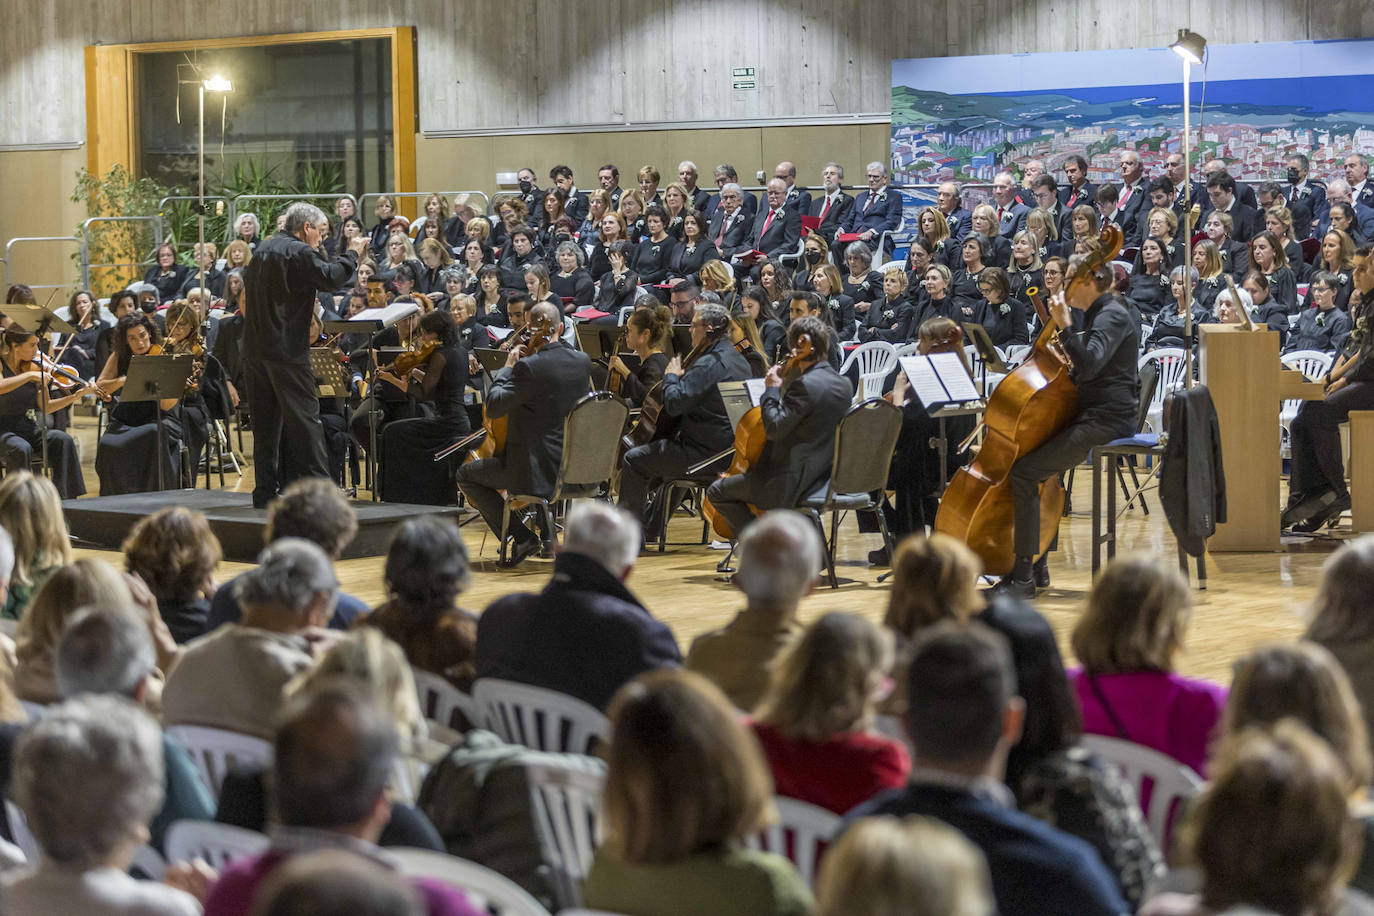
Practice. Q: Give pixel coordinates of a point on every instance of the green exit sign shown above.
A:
(743, 78)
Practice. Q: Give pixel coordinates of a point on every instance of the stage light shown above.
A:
(219, 84)
(1190, 46)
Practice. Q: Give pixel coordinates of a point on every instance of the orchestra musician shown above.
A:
(333, 410)
(646, 333)
(690, 396)
(1104, 370)
(535, 393)
(20, 392)
(183, 337)
(800, 414)
(386, 402)
(126, 456)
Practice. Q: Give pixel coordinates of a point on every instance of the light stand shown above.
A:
(1190, 46)
(213, 84)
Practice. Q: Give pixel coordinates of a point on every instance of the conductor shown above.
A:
(280, 285)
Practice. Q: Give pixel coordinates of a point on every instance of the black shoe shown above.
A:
(1014, 587)
(520, 550)
(1306, 508)
(1328, 516)
(1040, 573)
(879, 557)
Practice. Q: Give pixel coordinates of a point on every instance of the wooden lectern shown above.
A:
(1242, 371)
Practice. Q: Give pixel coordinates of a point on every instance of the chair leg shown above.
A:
(829, 556)
(1137, 489)
(505, 527)
(1097, 513)
(887, 536)
(1068, 489)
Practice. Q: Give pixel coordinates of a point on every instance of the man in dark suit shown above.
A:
(1221, 191)
(1011, 215)
(534, 392)
(729, 229)
(777, 228)
(950, 203)
(688, 175)
(1025, 195)
(1046, 197)
(691, 398)
(608, 176)
(577, 206)
(877, 210)
(799, 422)
(832, 207)
(1244, 193)
(963, 717)
(1357, 176)
(585, 635)
(1176, 172)
(1079, 190)
(796, 198)
(1309, 190)
(1132, 203)
(725, 174)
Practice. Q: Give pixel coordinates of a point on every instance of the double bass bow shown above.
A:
(1027, 408)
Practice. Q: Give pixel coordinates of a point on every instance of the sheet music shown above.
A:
(499, 333)
(755, 387)
(954, 376)
(389, 315)
(925, 383)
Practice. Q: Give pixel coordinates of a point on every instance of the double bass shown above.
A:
(1027, 408)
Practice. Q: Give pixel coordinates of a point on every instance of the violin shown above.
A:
(411, 360)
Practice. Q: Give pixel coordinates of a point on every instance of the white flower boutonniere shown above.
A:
(1321, 319)
(1004, 309)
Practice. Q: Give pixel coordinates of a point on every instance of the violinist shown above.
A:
(126, 456)
(409, 472)
(333, 416)
(646, 333)
(543, 378)
(1104, 371)
(801, 406)
(20, 437)
(517, 313)
(384, 403)
(183, 337)
(690, 396)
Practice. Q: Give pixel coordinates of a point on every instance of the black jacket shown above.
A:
(535, 396)
(692, 397)
(799, 422)
(1104, 362)
(651, 259)
(834, 217)
(281, 282)
(577, 286)
(1192, 482)
(736, 237)
(612, 296)
(686, 262)
(585, 635)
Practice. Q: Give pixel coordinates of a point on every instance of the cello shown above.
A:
(750, 438)
(1027, 408)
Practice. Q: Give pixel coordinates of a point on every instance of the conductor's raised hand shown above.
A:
(358, 244)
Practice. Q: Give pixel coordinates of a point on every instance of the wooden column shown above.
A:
(1361, 454)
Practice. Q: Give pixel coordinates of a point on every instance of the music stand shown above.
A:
(986, 349)
(329, 375)
(42, 321)
(154, 378)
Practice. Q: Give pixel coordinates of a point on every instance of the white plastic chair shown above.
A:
(1161, 779)
(1171, 363)
(1127, 265)
(215, 750)
(1016, 354)
(1312, 363)
(810, 829)
(439, 700)
(487, 890)
(567, 805)
(149, 862)
(545, 720)
(911, 348)
(875, 360)
(218, 844)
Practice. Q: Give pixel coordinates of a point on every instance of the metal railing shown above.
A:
(154, 221)
(192, 198)
(234, 208)
(421, 195)
(31, 239)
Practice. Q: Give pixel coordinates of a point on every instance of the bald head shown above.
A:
(1214, 165)
(787, 171)
(546, 312)
(1131, 169)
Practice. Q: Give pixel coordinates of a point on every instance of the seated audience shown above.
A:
(233, 677)
(963, 717)
(1126, 642)
(88, 777)
(315, 510)
(914, 866)
(334, 882)
(1341, 622)
(82, 583)
(107, 650)
(334, 755)
(685, 785)
(780, 558)
(426, 570)
(31, 511)
(175, 553)
(585, 634)
(815, 722)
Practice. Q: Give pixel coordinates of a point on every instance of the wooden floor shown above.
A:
(1251, 599)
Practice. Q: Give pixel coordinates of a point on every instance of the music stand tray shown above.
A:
(598, 342)
(985, 347)
(492, 361)
(36, 318)
(154, 378)
(330, 381)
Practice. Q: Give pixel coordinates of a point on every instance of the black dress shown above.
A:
(168, 284)
(686, 260)
(636, 385)
(409, 472)
(615, 294)
(81, 352)
(577, 286)
(20, 439)
(126, 456)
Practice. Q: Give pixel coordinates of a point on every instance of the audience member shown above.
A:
(815, 721)
(88, 777)
(585, 634)
(914, 866)
(334, 882)
(426, 570)
(1126, 642)
(780, 558)
(313, 509)
(963, 717)
(233, 677)
(31, 511)
(175, 553)
(685, 785)
(1341, 622)
(334, 754)
(82, 583)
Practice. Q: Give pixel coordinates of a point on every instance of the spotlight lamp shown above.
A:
(1190, 46)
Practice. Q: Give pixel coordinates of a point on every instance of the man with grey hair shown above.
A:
(832, 208)
(688, 175)
(107, 651)
(877, 210)
(777, 227)
(88, 776)
(729, 227)
(780, 558)
(724, 174)
(690, 396)
(282, 281)
(233, 678)
(585, 634)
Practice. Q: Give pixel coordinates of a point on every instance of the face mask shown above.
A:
(813, 257)
(1292, 176)
(525, 187)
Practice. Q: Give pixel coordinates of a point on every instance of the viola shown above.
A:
(1029, 406)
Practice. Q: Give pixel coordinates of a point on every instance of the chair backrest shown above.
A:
(864, 441)
(1310, 249)
(1016, 354)
(801, 834)
(911, 348)
(214, 751)
(1312, 363)
(874, 360)
(440, 701)
(545, 720)
(591, 440)
(1161, 782)
(1170, 363)
(1128, 266)
(487, 890)
(1149, 381)
(217, 844)
(567, 806)
(624, 313)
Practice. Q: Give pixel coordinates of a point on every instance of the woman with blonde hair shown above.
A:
(985, 221)
(934, 578)
(82, 583)
(1127, 641)
(915, 866)
(815, 723)
(934, 228)
(237, 254)
(717, 277)
(175, 553)
(632, 209)
(31, 511)
(677, 203)
(1211, 274)
(648, 186)
(1041, 224)
(685, 785)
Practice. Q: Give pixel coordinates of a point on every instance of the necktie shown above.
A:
(766, 223)
(868, 205)
(1125, 196)
(999, 214)
(825, 209)
(720, 236)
